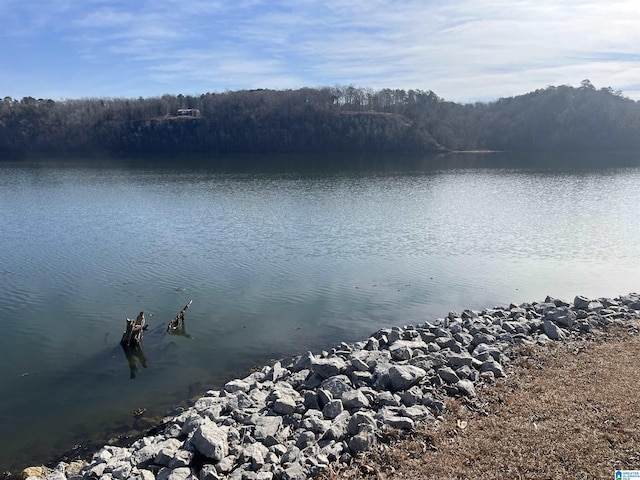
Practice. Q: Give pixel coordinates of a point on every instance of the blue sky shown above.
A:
(463, 50)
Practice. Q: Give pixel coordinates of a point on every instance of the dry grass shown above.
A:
(571, 410)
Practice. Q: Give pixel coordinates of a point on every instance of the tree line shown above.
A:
(327, 119)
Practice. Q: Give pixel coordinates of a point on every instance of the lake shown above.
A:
(279, 256)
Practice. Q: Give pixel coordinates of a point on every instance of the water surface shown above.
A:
(277, 261)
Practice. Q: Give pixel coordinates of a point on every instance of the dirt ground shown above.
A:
(567, 410)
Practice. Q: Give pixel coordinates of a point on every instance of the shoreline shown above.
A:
(294, 419)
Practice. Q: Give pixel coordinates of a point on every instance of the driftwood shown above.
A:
(133, 333)
(179, 319)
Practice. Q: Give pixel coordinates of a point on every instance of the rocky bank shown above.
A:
(291, 420)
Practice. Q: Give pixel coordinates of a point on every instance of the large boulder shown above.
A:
(328, 367)
(211, 441)
(553, 331)
(403, 377)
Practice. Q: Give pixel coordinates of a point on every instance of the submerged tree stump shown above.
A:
(133, 334)
(179, 319)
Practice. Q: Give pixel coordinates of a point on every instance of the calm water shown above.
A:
(276, 263)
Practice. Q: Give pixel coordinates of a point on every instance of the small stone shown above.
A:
(284, 405)
(295, 472)
(359, 365)
(358, 420)
(354, 400)
(448, 375)
(363, 441)
(416, 412)
(337, 386)
(494, 367)
(208, 472)
(400, 352)
(267, 426)
(305, 439)
(182, 458)
(332, 409)
(254, 454)
(237, 386)
(459, 360)
(324, 397)
(466, 388)
(412, 396)
(182, 473)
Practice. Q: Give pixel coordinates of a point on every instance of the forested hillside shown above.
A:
(341, 119)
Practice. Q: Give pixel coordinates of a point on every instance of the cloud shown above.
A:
(461, 49)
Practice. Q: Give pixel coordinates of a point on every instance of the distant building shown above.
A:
(188, 112)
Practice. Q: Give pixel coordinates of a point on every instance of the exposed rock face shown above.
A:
(290, 420)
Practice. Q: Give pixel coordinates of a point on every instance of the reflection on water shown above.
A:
(277, 261)
(135, 356)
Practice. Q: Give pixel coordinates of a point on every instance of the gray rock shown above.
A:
(494, 367)
(267, 426)
(354, 400)
(303, 362)
(363, 441)
(581, 302)
(182, 473)
(563, 317)
(193, 420)
(208, 472)
(324, 397)
(237, 386)
(464, 372)
(391, 419)
(144, 456)
(314, 421)
(381, 377)
(402, 377)
(284, 405)
(305, 439)
(211, 441)
(459, 360)
(182, 458)
(310, 400)
(411, 396)
(467, 388)
(359, 365)
(416, 412)
(486, 351)
(372, 344)
(290, 456)
(337, 386)
(294, 472)
(386, 398)
(332, 409)
(448, 375)
(141, 474)
(358, 420)
(338, 428)
(361, 379)
(400, 351)
(254, 454)
(328, 367)
(553, 331)
(226, 464)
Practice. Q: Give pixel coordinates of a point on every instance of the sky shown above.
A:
(463, 50)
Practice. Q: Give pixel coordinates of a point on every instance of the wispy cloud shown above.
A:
(461, 49)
